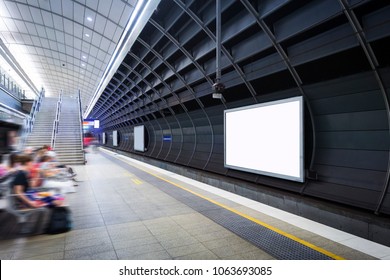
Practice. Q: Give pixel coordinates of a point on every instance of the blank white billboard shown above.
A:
(266, 139)
(139, 138)
(115, 138)
(96, 124)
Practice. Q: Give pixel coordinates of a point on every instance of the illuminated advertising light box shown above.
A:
(266, 139)
(88, 123)
(139, 138)
(115, 138)
(96, 124)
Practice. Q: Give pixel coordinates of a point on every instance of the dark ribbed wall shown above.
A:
(333, 53)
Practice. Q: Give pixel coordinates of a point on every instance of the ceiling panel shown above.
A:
(68, 26)
(104, 7)
(21, 26)
(47, 19)
(100, 24)
(109, 30)
(58, 23)
(43, 4)
(104, 44)
(36, 40)
(60, 37)
(56, 7)
(78, 13)
(3, 9)
(13, 10)
(93, 4)
(119, 7)
(67, 9)
(123, 19)
(31, 29)
(77, 30)
(93, 51)
(36, 15)
(10, 25)
(50, 33)
(27, 39)
(96, 39)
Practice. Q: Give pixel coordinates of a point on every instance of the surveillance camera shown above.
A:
(218, 87)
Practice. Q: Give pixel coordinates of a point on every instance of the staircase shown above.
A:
(43, 125)
(69, 143)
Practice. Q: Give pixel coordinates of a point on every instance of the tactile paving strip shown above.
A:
(275, 244)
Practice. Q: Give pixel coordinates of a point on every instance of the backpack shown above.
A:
(60, 221)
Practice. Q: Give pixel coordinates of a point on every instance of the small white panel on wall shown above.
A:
(139, 138)
(115, 138)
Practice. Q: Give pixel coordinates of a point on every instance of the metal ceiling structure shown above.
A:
(171, 66)
(65, 44)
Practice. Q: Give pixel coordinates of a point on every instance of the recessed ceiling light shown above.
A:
(83, 64)
(87, 35)
(89, 18)
(84, 56)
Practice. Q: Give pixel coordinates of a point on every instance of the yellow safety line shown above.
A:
(136, 181)
(128, 174)
(288, 235)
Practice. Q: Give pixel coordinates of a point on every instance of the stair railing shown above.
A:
(34, 110)
(30, 119)
(81, 125)
(56, 121)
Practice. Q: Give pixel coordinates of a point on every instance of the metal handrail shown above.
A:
(35, 108)
(55, 128)
(30, 120)
(81, 125)
(56, 121)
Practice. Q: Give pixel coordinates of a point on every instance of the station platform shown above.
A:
(128, 210)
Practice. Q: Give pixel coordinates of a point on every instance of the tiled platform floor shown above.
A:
(118, 215)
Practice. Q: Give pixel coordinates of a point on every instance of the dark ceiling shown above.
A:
(267, 46)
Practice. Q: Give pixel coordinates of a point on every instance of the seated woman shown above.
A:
(52, 176)
(64, 171)
(22, 187)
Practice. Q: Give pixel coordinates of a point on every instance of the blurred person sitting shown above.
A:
(28, 151)
(53, 177)
(39, 153)
(65, 171)
(47, 148)
(35, 174)
(23, 187)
